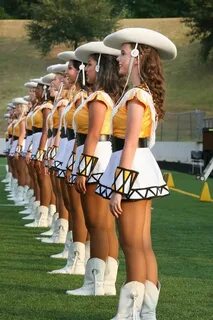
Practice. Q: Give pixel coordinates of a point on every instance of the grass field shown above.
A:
(188, 80)
(182, 238)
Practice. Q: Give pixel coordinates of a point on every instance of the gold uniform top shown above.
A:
(37, 115)
(6, 135)
(10, 129)
(81, 116)
(120, 116)
(55, 114)
(29, 123)
(16, 127)
(68, 116)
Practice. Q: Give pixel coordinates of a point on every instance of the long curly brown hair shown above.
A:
(152, 75)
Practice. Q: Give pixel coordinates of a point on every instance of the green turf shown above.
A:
(182, 238)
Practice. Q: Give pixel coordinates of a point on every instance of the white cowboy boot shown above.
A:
(51, 212)
(30, 206)
(64, 253)
(87, 252)
(75, 262)
(19, 200)
(7, 178)
(60, 234)
(40, 219)
(26, 188)
(110, 276)
(34, 211)
(93, 279)
(53, 227)
(150, 301)
(130, 301)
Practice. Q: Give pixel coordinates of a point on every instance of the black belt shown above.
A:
(35, 129)
(63, 133)
(81, 137)
(118, 143)
(15, 138)
(54, 132)
(49, 133)
(70, 134)
(10, 135)
(29, 132)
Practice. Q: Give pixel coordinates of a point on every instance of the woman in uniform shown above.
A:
(76, 252)
(54, 120)
(39, 140)
(92, 126)
(133, 177)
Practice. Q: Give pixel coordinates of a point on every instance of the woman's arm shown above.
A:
(22, 132)
(44, 135)
(57, 138)
(134, 118)
(97, 111)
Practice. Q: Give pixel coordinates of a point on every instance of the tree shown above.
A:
(70, 22)
(153, 8)
(200, 20)
(16, 9)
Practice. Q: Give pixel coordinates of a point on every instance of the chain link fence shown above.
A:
(182, 126)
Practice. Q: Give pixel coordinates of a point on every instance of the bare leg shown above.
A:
(45, 187)
(35, 180)
(151, 263)
(66, 199)
(97, 221)
(21, 168)
(79, 229)
(131, 228)
(63, 213)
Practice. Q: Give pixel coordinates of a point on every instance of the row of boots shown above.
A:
(137, 300)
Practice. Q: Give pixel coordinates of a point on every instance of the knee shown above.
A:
(129, 245)
(147, 248)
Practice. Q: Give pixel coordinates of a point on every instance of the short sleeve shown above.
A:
(138, 94)
(102, 97)
(47, 105)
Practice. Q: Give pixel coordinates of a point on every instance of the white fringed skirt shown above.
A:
(148, 184)
(13, 148)
(60, 154)
(27, 144)
(35, 143)
(67, 158)
(103, 152)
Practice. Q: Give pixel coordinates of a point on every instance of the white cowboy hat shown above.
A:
(57, 68)
(31, 84)
(84, 51)
(19, 100)
(67, 56)
(48, 78)
(165, 47)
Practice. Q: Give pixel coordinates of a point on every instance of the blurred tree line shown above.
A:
(22, 9)
(73, 21)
